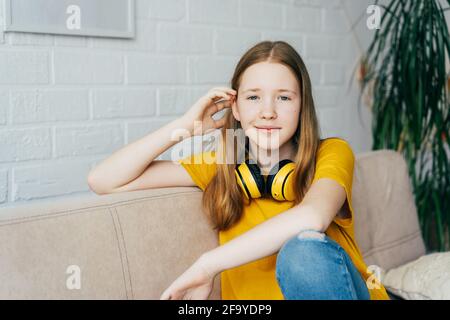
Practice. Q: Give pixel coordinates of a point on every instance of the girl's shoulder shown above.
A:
(334, 144)
(333, 140)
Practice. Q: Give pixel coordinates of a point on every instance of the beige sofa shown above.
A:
(133, 245)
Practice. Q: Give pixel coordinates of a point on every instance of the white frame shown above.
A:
(129, 33)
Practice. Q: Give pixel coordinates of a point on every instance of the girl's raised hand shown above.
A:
(195, 283)
(203, 110)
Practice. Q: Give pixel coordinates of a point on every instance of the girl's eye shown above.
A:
(287, 98)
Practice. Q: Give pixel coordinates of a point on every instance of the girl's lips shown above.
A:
(268, 129)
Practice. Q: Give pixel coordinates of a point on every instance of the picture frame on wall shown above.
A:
(100, 18)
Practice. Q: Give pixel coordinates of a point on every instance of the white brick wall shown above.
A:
(67, 102)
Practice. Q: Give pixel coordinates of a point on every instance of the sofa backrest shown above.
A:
(386, 222)
(133, 245)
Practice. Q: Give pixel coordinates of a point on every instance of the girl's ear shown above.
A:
(235, 111)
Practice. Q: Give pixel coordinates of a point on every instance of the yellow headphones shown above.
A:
(279, 183)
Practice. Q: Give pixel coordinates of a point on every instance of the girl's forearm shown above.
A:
(263, 240)
(129, 162)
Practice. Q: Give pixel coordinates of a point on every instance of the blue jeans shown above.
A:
(312, 266)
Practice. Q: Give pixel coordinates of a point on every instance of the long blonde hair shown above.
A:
(223, 200)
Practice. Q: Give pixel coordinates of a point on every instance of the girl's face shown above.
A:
(268, 104)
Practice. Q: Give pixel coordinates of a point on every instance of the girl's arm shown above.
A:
(320, 205)
(133, 167)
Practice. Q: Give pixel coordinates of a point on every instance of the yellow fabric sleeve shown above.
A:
(335, 160)
(201, 167)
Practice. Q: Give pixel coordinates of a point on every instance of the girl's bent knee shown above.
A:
(308, 236)
(311, 234)
(310, 254)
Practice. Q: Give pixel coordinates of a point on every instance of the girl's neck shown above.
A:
(267, 159)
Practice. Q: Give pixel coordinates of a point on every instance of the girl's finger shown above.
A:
(228, 93)
(165, 296)
(220, 123)
(187, 296)
(212, 110)
(214, 94)
(226, 89)
(219, 106)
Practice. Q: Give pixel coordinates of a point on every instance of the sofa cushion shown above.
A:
(422, 279)
(40, 254)
(162, 237)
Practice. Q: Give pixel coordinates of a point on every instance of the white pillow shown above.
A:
(427, 278)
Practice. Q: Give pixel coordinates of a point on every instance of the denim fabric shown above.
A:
(312, 266)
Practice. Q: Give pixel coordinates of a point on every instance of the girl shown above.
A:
(285, 229)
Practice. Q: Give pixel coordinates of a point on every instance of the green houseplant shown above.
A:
(404, 73)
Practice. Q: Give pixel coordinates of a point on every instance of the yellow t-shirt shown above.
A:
(256, 280)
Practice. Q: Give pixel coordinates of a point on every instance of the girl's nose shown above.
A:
(268, 112)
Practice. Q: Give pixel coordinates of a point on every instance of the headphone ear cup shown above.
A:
(280, 181)
(249, 178)
(258, 178)
(271, 176)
